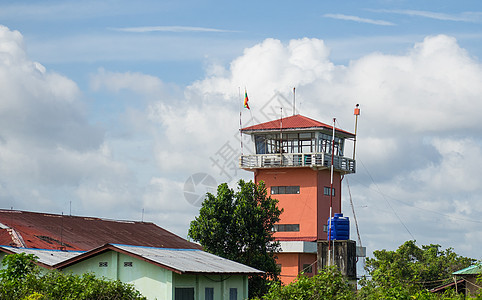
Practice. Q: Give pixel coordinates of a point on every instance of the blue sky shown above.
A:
(109, 107)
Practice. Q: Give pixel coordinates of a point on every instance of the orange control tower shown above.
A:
(293, 157)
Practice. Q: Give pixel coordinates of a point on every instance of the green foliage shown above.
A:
(18, 266)
(410, 271)
(238, 226)
(21, 279)
(329, 283)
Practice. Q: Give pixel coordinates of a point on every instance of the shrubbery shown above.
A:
(21, 278)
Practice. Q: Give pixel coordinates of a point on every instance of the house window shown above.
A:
(209, 293)
(128, 264)
(184, 293)
(275, 190)
(103, 264)
(286, 227)
(233, 294)
(307, 268)
(326, 191)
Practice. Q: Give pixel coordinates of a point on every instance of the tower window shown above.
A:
(286, 227)
(326, 191)
(275, 190)
(307, 268)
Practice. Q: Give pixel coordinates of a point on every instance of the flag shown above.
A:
(246, 99)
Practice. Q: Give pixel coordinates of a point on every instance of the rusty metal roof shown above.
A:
(51, 231)
(182, 261)
(293, 123)
(46, 257)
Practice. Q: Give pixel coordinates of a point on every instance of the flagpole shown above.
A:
(240, 124)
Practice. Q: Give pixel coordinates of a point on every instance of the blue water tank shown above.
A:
(340, 228)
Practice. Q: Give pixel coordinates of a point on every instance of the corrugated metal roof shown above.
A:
(188, 260)
(178, 260)
(51, 231)
(292, 122)
(46, 257)
(472, 270)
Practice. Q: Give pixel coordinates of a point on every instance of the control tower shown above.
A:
(293, 157)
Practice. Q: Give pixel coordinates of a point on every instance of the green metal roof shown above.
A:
(472, 270)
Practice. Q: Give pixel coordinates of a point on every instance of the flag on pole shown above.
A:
(246, 99)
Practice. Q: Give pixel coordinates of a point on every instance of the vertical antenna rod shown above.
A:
(331, 193)
(356, 113)
(281, 138)
(294, 101)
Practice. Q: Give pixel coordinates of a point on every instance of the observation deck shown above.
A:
(297, 142)
(316, 161)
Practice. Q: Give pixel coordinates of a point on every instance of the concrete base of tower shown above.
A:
(296, 257)
(343, 254)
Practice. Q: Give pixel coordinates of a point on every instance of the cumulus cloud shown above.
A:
(418, 145)
(418, 149)
(48, 147)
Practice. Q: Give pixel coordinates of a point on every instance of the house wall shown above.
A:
(155, 282)
(471, 285)
(221, 285)
(150, 280)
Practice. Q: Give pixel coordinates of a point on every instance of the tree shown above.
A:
(21, 279)
(239, 226)
(409, 271)
(329, 283)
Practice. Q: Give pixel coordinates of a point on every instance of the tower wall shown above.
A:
(310, 208)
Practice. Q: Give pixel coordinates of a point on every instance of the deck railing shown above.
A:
(287, 160)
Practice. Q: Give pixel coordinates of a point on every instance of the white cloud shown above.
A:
(475, 16)
(134, 81)
(358, 19)
(417, 112)
(49, 151)
(178, 29)
(419, 145)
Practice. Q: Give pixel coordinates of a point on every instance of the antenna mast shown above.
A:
(331, 194)
(281, 138)
(356, 113)
(294, 101)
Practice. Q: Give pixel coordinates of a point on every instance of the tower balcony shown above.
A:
(316, 161)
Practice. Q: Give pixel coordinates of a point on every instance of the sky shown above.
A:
(130, 110)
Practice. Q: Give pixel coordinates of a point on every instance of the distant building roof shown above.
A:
(182, 261)
(472, 270)
(292, 123)
(46, 257)
(51, 231)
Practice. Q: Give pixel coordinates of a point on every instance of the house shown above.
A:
(469, 275)
(162, 273)
(65, 232)
(160, 264)
(464, 281)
